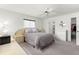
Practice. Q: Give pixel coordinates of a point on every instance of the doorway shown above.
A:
(73, 30)
(52, 27)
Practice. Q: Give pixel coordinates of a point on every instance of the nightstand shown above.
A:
(5, 39)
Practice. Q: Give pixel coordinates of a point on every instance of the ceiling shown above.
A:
(37, 10)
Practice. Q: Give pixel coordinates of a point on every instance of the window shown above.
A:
(29, 24)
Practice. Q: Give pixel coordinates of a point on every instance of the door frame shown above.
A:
(76, 28)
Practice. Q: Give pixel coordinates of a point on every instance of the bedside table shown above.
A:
(5, 39)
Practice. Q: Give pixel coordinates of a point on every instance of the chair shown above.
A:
(19, 35)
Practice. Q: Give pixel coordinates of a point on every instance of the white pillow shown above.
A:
(31, 30)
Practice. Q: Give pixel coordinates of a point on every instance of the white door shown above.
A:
(77, 31)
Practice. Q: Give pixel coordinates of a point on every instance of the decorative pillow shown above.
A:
(34, 30)
(31, 30)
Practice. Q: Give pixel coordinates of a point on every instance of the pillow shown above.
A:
(34, 30)
(31, 30)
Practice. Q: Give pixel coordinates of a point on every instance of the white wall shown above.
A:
(61, 31)
(14, 19)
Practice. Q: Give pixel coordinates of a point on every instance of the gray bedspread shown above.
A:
(39, 40)
(45, 41)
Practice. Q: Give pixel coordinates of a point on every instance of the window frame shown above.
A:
(31, 20)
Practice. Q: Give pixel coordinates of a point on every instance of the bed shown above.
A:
(39, 39)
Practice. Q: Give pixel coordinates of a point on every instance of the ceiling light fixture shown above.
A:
(47, 12)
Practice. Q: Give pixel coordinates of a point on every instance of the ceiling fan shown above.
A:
(47, 12)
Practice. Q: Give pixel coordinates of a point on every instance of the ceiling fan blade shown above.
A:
(42, 15)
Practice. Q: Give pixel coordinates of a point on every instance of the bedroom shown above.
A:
(43, 20)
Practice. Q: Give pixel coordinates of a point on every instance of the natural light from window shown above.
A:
(29, 24)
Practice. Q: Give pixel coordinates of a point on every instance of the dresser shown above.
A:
(5, 39)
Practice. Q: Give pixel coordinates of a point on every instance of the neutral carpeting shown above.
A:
(58, 48)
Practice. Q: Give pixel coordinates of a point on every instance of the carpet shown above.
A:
(58, 48)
